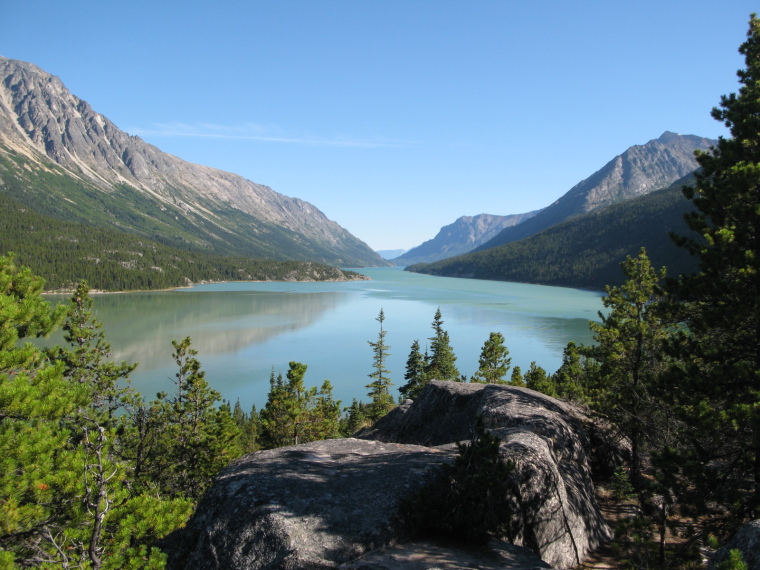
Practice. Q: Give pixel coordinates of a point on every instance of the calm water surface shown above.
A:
(244, 330)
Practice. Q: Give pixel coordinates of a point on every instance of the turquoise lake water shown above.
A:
(244, 330)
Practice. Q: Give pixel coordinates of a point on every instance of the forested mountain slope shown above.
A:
(63, 159)
(585, 251)
(65, 253)
(639, 170)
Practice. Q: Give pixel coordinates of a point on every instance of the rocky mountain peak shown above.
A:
(42, 121)
(639, 170)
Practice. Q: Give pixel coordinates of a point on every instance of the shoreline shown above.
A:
(191, 285)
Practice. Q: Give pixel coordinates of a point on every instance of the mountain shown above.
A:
(586, 251)
(66, 253)
(639, 170)
(63, 159)
(391, 253)
(464, 235)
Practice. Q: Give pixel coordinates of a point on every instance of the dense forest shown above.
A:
(93, 475)
(65, 253)
(585, 251)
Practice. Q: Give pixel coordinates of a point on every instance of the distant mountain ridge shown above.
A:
(61, 157)
(586, 250)
(390, 253)
(639, 170)
(464, 235)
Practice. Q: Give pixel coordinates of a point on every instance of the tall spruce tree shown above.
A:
(717, 386)
(441, 365)
(415, 373)
(381, 400)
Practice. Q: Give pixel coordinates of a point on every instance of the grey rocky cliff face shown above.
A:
(39, 117)
(639, 170)
(334, 504)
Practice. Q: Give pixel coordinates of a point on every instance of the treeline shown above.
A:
(66, 253)
(585, 251)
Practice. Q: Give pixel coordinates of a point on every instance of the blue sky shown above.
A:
(393, 117)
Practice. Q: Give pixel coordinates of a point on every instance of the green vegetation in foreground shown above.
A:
(65, 253)
(585, 251)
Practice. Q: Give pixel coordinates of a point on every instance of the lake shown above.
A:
(244, 330)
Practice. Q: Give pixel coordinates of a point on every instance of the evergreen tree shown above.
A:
(517, 378)
(354, 419)
(577, 376)
(717, 385)
(441, 363)
(537, 379)
(468, 500)
(295, 414)
(39, 469)
(249, 425)
(415, 373)
(67, 498)
(87, 359)
(629, 348)
(276, 430)
(381, 400)
(180, 442)
(494, 362)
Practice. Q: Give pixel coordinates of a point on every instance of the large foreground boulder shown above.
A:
(335, 503)
(558, 516)
(307, 506)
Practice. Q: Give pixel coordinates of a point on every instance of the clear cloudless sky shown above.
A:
(393, 117)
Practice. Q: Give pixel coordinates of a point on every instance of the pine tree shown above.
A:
(276, 429)
(67, 496)
(577, 376)
(441, 363)
(249, 425)
(180, 441)
(537, 379)
(415, 373)
(717, 386)
(296, 414)
(39, 468)
(516, 379)
(494, 362)
(381, 400)
(629, 346)
(354, 419)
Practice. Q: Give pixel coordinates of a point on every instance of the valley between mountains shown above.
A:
(82, 199)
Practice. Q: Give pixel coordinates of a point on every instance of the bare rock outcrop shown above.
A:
(544, 437)
(334, 504)
(314, 505)
(747, 541)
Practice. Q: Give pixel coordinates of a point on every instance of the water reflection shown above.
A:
(244, 330)
(138, 325)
